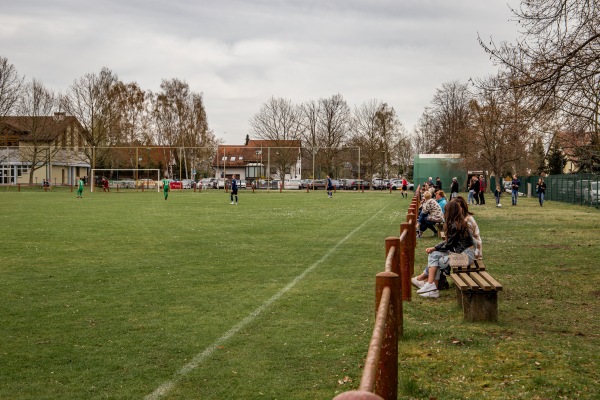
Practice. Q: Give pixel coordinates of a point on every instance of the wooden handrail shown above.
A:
(369, 377)
(379, 380)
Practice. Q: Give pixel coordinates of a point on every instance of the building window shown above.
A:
(232, 159)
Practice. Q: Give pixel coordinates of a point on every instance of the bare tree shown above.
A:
(443, 127)
(181, 121)
(557, 62)
(89, 99)
(279, 121)
(501, 133)
(11, 85)
(366, 135)
(35, 109)
(309, 121)
(333, 131)
(389, 128)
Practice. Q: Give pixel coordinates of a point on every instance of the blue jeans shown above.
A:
(424, 223)
(515, 197)
(441, 260)
(541, 197)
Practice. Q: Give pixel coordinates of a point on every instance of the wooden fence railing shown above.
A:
(380, 375)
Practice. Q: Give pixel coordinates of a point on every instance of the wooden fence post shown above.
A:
(396, 269)
(405, 269)
(387, 379)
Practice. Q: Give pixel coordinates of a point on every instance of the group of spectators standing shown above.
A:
(477, 188)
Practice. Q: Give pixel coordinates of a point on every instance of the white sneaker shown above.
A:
(433, 293)
(417, 283)
(427, 287)
(232, 202)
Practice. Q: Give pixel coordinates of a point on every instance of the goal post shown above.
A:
(137, 177)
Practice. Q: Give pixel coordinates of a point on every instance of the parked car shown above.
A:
(292, 184)
(264, 184)
(380, 184)
(187, 183)
(207, 183)
(395, 184)
(318, 184)
(146, 183)
(124, 184)
(357, 184)
(306, 183)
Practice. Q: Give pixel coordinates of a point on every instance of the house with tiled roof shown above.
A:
(571, 144)
(259, 159)
(33, 149)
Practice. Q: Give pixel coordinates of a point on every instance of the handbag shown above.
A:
(458, 260)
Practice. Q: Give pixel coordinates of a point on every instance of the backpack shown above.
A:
(443, 282)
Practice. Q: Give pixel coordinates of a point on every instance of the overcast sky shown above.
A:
(240, 53)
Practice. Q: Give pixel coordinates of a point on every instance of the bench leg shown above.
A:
(459, 297)
(480, 306)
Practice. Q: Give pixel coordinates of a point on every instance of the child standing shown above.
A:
(497, 194)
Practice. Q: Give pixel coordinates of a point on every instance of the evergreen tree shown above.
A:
(538, 157)
(556, 160)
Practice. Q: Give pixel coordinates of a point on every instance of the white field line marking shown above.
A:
(166, 387)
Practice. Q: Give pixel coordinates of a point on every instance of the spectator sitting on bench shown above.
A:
(440, 197)
(458, 240)
(473, 227)
(431, 214)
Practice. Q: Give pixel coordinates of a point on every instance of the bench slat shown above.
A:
(470, 282)
(491, 280)
(480, 281)
(459, 282)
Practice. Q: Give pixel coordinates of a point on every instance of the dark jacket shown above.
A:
(476, 186)
(454, 187)
(515, 184)
(541, 188)
(454, 242)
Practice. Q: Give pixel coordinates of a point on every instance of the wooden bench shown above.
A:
(476, 292)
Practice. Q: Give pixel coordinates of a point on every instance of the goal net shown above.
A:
(124, 179)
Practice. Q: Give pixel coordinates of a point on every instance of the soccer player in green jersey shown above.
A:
(165, 187)
(80, 188)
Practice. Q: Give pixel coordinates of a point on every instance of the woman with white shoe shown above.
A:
(458, 240)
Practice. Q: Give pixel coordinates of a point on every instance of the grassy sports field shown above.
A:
(129, 296)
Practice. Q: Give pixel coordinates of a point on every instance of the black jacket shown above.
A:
(454, 242)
